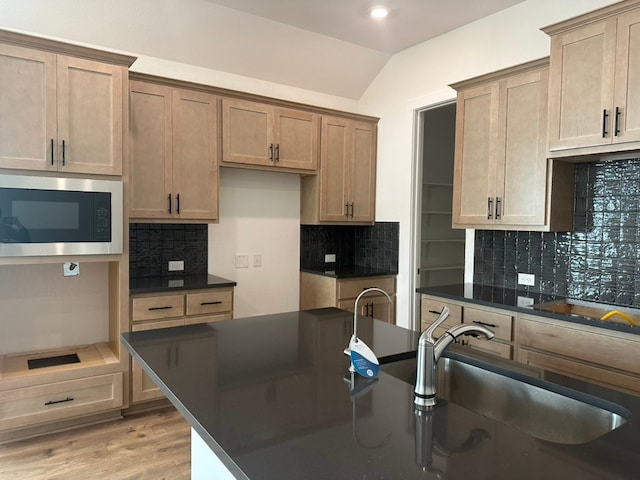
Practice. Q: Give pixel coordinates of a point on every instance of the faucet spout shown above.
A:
(429, 352)
(354, 337)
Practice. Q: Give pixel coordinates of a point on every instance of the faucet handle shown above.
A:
(428, 333)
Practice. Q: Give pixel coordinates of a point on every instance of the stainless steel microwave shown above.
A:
(59, 216)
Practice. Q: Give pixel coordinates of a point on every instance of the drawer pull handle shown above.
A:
(434, 311)
(211, 303)
(485, 324)
(367, 288)
(53, 402)
(159, 308)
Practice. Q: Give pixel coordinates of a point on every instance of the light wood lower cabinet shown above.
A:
(590, 353)
(153, 311)
(598, 355)
(61, 400)
(498, 321)
(318, 291)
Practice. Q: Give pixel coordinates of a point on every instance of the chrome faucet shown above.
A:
(430, 351)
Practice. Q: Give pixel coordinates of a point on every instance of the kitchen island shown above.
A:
(270, 397)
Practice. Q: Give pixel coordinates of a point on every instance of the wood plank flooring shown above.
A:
(144, 446)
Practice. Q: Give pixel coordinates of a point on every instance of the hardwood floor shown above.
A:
(145, 446)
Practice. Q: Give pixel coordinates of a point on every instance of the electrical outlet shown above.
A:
(242, 260)
(528, 279)
(71, 269)
(176, 265)
(330, 258)
(525, 302)
(257, 259)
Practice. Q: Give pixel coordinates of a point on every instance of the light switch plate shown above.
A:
(242, 260)
(257, 259)
(525, 302)
(330, 258)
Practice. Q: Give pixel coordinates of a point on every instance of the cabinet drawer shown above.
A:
(499, 323)
(489, 346)
(430, 311)
(352, 288)
(57, 401)
(207, 319)
(139, 327)
(213, 301)
(152, 308)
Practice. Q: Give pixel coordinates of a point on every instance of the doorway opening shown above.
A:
(439, 250)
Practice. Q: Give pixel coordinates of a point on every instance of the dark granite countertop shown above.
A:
(509, 299)
(269, 397)
(176, 283)
(348, 272)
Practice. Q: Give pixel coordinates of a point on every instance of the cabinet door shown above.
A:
(142, 387)
(521, 172)
(627, 88)
(334, 162)
(90, 116)
(247, 129)
(363, 173)
(27, 109)
(581, 86)
(297, 134)
(475, 155)
(195, 155)
(151, 150)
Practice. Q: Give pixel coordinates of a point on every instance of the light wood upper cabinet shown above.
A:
(594, 92)
(502, 179)
(60, 113)
(261, 135)
(174, 161)
(344, 190)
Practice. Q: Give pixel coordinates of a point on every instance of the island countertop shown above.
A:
(270, 396)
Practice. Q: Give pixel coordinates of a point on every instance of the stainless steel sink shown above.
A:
(540, 409)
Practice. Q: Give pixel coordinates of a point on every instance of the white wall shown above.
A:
(259, 213)
(420, 76)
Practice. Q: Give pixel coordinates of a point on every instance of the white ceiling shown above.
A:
(327, 46)
(410, 22)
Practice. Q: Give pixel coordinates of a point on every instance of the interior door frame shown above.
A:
(416, 208)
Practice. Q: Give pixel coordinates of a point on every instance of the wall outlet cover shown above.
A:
(525, 302)
(257, 259)
(528, 279)
(330, 258)
(176, 265)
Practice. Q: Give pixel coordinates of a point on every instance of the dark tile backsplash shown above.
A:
(373, 246)
(598, 261)
(152, 245)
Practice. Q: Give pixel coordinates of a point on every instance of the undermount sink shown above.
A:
(580, 308)
(540, 409)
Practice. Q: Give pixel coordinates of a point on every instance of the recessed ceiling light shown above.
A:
(379, 12)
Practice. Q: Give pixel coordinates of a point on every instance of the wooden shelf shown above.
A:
(15, 366)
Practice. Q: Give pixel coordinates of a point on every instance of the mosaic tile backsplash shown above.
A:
(152, 245)
(598, 261)
(373, 246)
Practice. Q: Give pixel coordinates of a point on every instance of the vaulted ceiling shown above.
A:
(328, 46)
